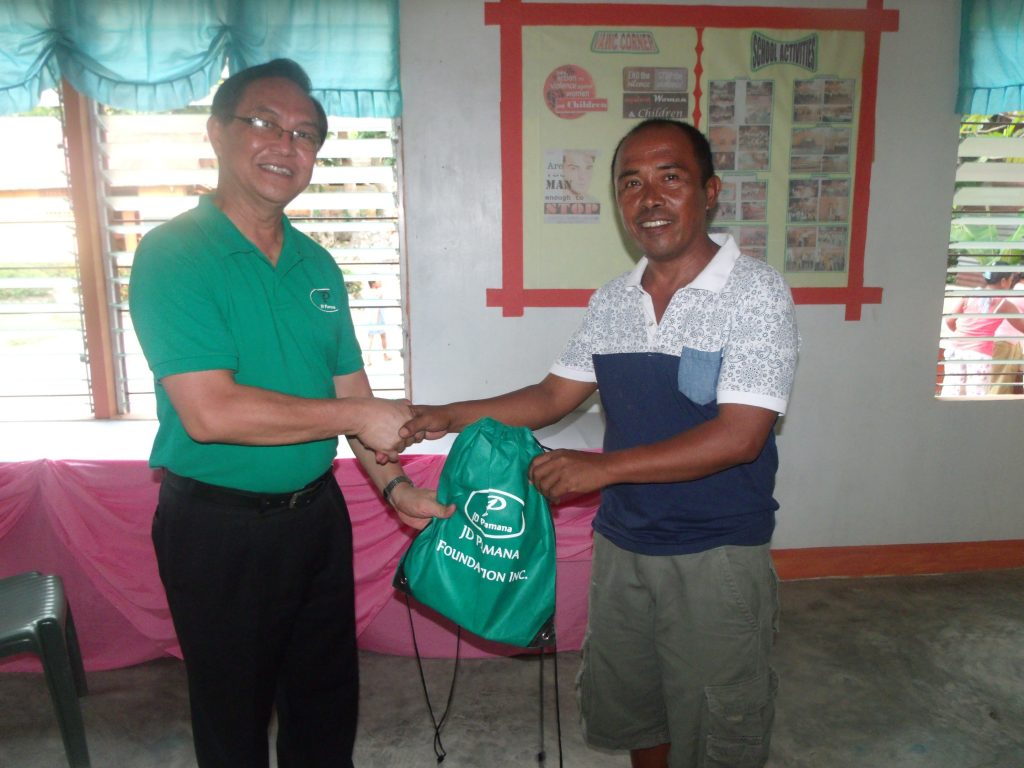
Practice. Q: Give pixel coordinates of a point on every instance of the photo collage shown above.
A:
(817, 236)
(819, 194)
(739, 130)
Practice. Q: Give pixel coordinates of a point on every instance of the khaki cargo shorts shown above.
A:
(676, 652)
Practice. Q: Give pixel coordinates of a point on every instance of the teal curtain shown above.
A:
(156, 55)
(991, 57)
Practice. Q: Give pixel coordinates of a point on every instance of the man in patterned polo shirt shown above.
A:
(693, 352)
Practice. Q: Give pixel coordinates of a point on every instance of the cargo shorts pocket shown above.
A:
(698, 374)
(739, 722)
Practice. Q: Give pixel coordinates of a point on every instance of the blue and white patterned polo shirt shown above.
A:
(728, 337)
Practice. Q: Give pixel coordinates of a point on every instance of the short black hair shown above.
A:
(993, 278)
(701, 146)
(230, 92)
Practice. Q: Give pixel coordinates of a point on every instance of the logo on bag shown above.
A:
(496, 514)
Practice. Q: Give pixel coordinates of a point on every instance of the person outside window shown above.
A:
(970, 346)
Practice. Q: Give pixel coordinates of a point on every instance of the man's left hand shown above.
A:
(416, 507)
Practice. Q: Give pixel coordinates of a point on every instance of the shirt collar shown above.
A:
(712, 277)
(209, 213)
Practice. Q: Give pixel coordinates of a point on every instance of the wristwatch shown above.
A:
(392, 484)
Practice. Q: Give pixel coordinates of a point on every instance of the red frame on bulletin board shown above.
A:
(513, 15)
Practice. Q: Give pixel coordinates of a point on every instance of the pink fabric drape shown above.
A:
(89, 522)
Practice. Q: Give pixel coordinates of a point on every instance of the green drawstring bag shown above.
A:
(490, 567)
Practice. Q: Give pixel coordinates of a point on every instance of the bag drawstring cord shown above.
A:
(540, 677)
(439, 750)
(542, 755)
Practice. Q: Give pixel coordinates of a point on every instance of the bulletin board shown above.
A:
(786, 97)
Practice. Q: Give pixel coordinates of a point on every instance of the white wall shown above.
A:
(868, 455)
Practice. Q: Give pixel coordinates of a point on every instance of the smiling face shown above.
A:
(662, 199)
(257, 169)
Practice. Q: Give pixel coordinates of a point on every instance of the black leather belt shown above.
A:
(236, 498)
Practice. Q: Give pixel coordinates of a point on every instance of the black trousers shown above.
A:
(263, 603)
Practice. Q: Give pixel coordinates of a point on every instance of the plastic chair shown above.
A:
(35, 617)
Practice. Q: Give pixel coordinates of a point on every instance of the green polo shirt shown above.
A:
(203, 297)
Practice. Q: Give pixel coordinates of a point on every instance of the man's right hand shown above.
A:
(382, 421)
(537, 405)
(429, 422)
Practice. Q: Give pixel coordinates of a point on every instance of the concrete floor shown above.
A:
(918, 671)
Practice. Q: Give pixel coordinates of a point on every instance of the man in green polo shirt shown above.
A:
(244, 322)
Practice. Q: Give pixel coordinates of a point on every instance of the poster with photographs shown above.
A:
(739, 124)
(816, 249)
(783, 141)
(780, 110)
(568, 175)
(823, 100)
(818, 167)
(742, 212)
(816, 236)
(820, 149)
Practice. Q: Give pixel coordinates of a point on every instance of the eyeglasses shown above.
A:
(308, 140)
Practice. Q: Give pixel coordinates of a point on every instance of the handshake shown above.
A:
(388, 427)
(383, 429)
(394, 425)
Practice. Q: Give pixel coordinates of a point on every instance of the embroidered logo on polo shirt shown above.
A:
(321, 298)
